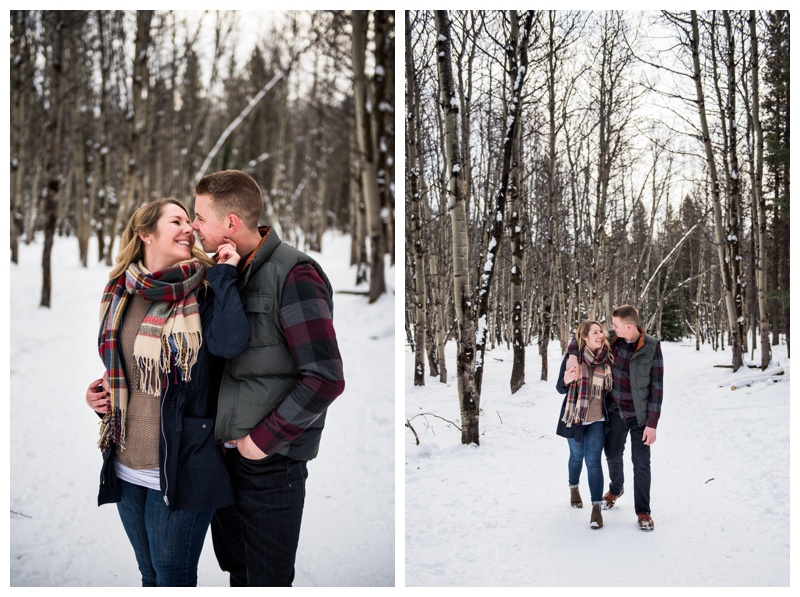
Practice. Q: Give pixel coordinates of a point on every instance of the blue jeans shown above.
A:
(590, 449)
(256, 539)
(640, 455)
(167, 543)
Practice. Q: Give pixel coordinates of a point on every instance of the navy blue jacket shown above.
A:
(575, 430)
(193, 474)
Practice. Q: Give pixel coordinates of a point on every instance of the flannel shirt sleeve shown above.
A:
(572, 347)
(306, 316)
(656, 388)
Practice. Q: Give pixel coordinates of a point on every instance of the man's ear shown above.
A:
(232, 223)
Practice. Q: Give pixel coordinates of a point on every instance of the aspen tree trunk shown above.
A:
(735, 193)
(383, 123)
(437, 362)
(517, 55)
(759, 204)
(19, 131)
(53, 169)
(547, 263)
(366, 149)
(138, 120)
(102, 158)
(715, 196)
(517, 270)
(84, 201)
(469, 397)
(413, 194)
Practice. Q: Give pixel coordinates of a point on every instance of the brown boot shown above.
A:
(597, 517)
(646, 522)
(609, 499)
(575, 497)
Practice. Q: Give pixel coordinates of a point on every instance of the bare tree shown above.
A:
(367, 155)
(469, 397)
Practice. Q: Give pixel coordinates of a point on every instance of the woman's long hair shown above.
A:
(145, 220)
(583, 331)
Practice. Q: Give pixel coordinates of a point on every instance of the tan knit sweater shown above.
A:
(143, 415)
(594, 412)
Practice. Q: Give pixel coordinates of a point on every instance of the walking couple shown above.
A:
(614, 386)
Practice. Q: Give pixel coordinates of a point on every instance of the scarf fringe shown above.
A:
(170, 332)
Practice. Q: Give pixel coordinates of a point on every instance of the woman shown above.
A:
(582, 419)
(162, 317)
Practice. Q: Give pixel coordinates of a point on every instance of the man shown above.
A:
(273, 397)
(635, 407)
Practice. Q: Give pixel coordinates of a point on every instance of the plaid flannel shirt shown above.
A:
(306, 315)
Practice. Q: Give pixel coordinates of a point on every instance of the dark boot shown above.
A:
(597, 517)
(575, 497)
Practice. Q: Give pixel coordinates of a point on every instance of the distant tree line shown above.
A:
(561, 163)
(112, 109)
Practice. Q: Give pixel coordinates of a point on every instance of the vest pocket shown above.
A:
(260, 311)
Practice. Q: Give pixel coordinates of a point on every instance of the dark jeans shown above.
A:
(590, 449)
(256, 540)
(167, 543)
(640, 456)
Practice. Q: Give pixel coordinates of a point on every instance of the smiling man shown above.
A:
(273, 397)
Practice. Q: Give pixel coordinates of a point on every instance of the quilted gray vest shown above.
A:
(255, 383)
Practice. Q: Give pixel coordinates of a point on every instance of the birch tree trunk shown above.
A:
(366, 149)
(517, 271)
(715, 195)
(759, 204)
(734, 194)
(413, 195)
(53, 169)
(138, 124)
(517, 55)
(469, 397)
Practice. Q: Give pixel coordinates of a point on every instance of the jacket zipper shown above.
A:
(164, 435)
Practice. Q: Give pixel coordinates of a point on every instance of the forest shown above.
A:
(562, 163)
(112, 109)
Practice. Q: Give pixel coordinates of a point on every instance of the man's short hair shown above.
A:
(627, 313)
(233, 191)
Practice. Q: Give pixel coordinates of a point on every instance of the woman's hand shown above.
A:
(226, 253)
(570, 375)
(97, 395)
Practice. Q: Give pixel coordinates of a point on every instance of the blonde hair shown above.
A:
(145, 219)
(582, 333)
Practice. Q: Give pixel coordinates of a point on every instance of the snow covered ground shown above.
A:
(499, 514)
(58, 535)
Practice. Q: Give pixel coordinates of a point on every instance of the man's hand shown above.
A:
(248, 448)
(649, 436)
(570, 375)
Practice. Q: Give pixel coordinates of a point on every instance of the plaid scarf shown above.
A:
(170, 333)
(593, 381)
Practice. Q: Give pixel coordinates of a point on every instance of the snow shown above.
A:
(498, 514)
(59, 536)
